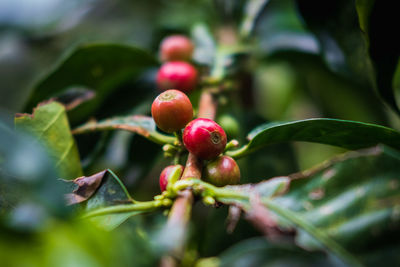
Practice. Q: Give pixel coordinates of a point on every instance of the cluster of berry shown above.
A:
(172, 111)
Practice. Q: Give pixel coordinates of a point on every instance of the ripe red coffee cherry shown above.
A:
(166, 173)
(204, 138)
(176, 47)
(177, 75)
(172, 110)
(222, 171)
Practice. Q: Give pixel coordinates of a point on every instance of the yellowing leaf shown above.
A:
(49, 124)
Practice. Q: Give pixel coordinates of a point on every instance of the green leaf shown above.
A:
(351, 202)
(341, 133)
(110, 192)
(259, 252)
(49, 124)
(248, 198)
(205, 47)
(252, 11)
(139, 124)
(279, 28)
(29, 191)
(354, 199)
(109, 204)
(101, 67)
(384, 51)
(353, 40)
(364, 8)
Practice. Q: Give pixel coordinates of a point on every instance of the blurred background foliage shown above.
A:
(310, 59)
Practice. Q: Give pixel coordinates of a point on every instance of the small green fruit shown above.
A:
(230, 125)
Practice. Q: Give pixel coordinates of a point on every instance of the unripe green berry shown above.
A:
(230, 125)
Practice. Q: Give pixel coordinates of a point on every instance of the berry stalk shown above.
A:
(179, 215)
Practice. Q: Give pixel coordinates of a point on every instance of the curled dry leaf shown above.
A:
(87, 186)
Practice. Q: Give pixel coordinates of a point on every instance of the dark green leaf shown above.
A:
(260, 252)
(101, 67)
(341, 133)
(354, 199)
(351, 201)
(336, 26)
(279, 28)
(142, 125)
(109, 193)
(205, 47)
(384, 50)
(49, 124)
(29, 190)
(73, 97)
(353, 40)
(252, 11)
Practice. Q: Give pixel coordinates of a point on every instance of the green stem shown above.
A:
(238, 153)
(139, 206)
(178, 135)
(161, 139)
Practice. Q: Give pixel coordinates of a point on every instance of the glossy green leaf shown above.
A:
(29, 190)
(252, 11)
(260, 252)
(49, 124)
(341, 133)
(384, 50)
(260, 207)
(353, 199)
(351, 202)
(110, 193)
(353, 40)
(101, 67)
(279, 28)
(142, 125)
(205, 47)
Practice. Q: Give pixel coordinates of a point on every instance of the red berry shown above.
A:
(222, 171)
(204, 138)
(172, 110)
(177, 75)
(166, 173)
(176, 47)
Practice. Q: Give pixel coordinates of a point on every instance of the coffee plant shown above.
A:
(240, 133)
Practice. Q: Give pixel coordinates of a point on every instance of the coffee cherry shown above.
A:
(230, 125)
(177, 75)
(222, 171)
(172, 110)
(165, 174)
(204, 138)
(176, 47)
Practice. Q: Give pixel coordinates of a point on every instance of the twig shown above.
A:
(179, 215)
